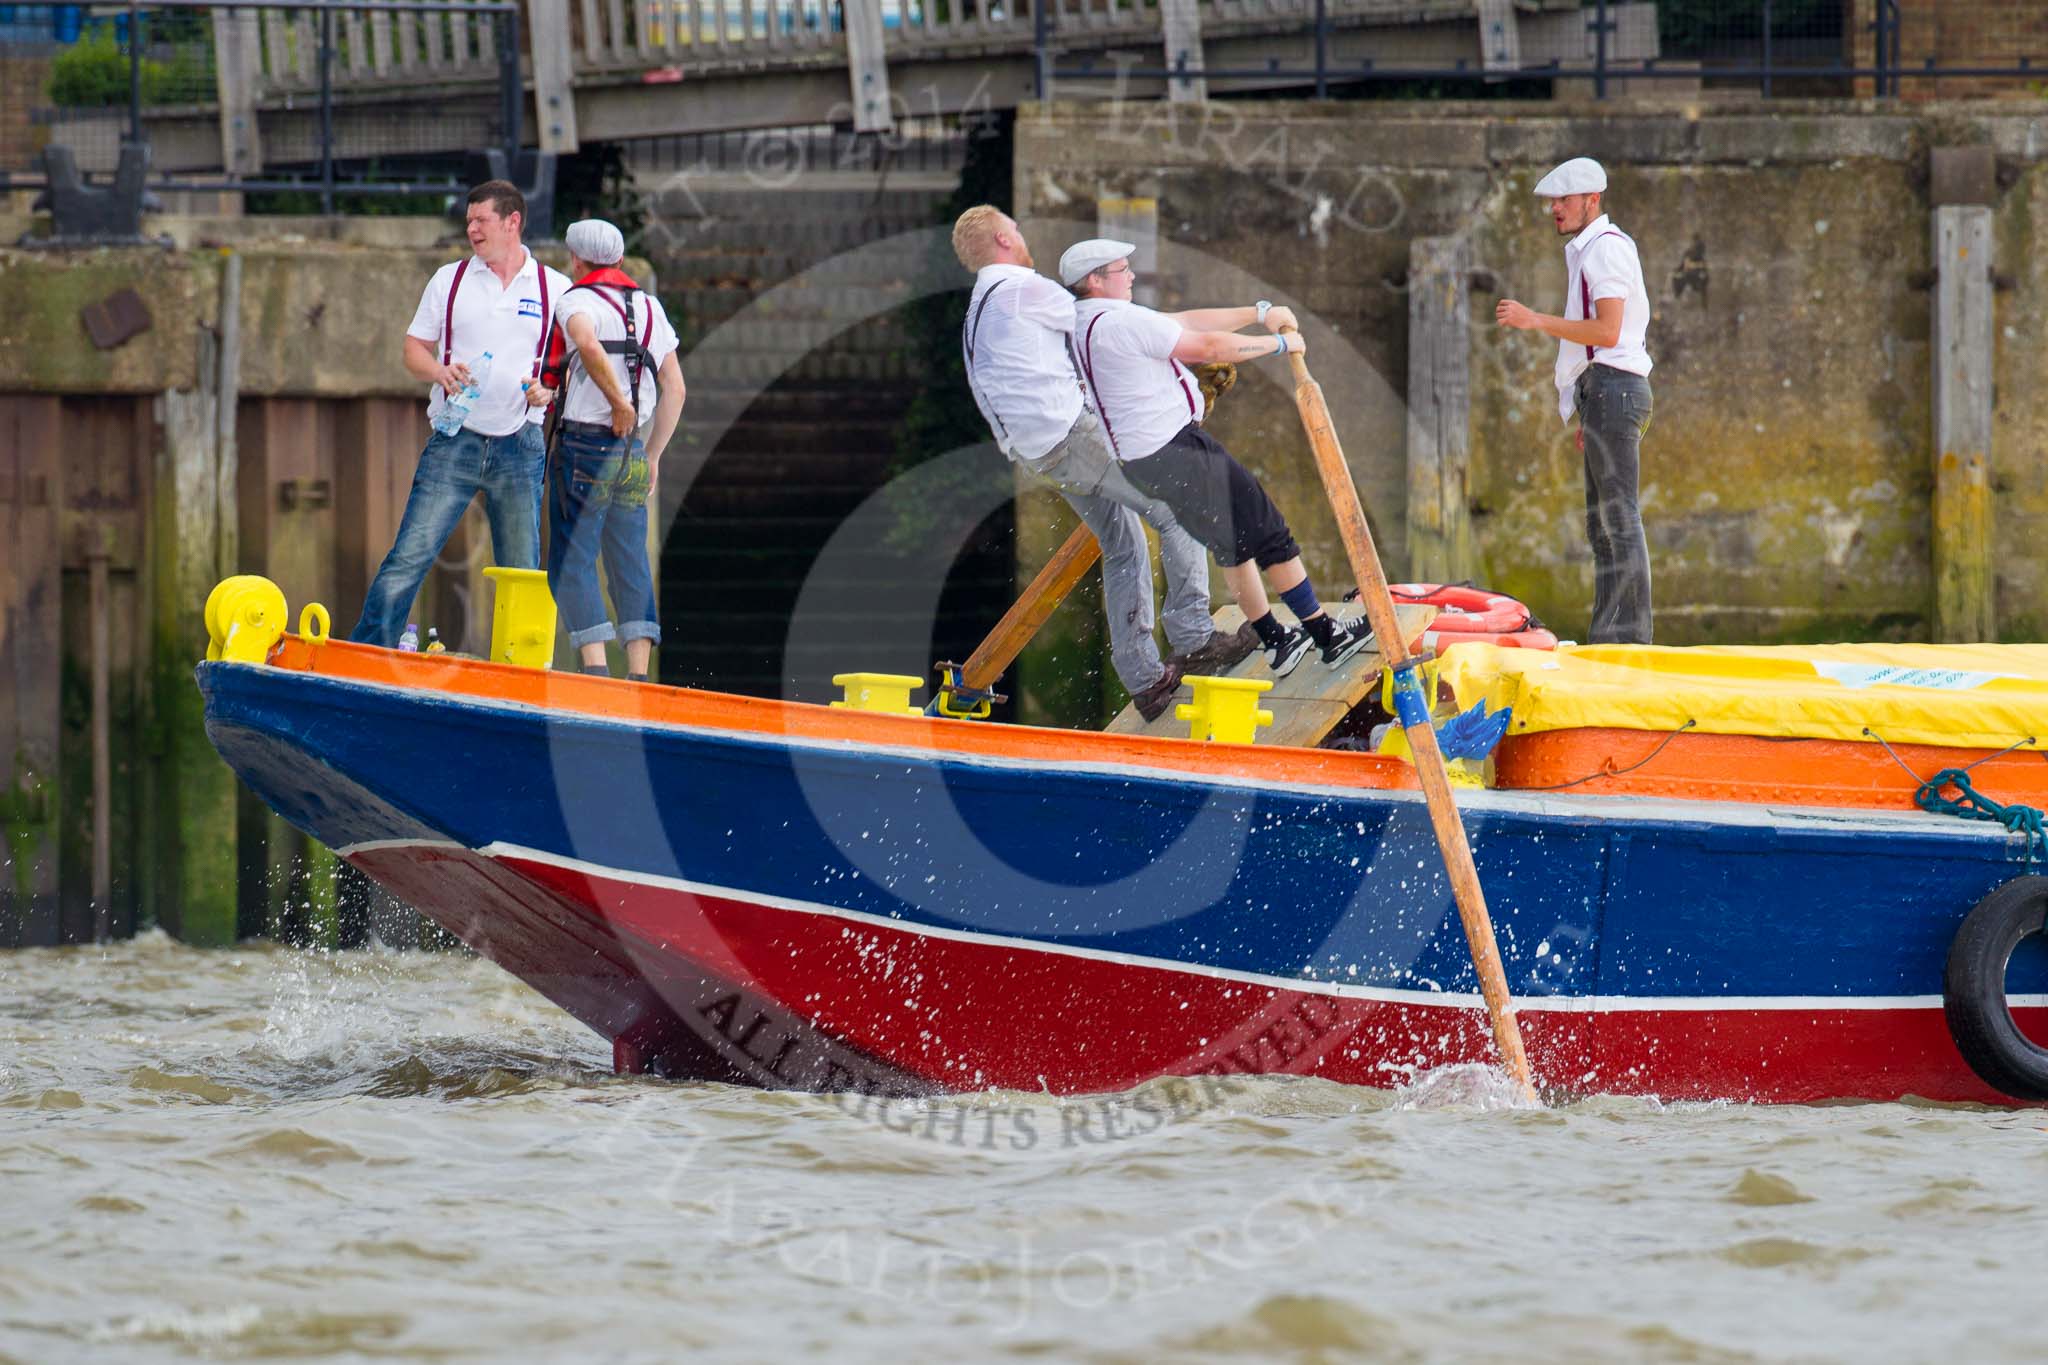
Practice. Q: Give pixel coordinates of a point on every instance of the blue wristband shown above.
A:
(1282, 340)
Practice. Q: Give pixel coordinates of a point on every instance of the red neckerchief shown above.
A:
(558, 339)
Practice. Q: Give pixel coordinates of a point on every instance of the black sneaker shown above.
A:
(1153, 701)
(1350, 638)
(1285, 656)
(1220, 653)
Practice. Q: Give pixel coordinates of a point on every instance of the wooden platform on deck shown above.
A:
(1308, 703)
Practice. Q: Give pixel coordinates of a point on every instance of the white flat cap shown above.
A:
(1580, 175)
(1083, 258)
(596, 241)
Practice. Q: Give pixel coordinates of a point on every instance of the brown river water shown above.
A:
(264, 1154)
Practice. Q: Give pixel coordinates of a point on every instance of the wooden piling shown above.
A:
(195, 854)
(31, 663)
(101, 613)
(1439, 411)
(1964, 600)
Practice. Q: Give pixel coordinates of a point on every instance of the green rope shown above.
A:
(1971, 804)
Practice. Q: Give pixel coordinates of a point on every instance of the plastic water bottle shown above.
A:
(455, 411)
(410, 641)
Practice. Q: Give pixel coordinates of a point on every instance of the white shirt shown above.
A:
(585, 401)
(1601, 263)
(489, 316)
(1016, 342)
(1144, 395)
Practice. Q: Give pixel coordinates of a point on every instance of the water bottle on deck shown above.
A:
(455, 411)
(434, 645)
(410, 641)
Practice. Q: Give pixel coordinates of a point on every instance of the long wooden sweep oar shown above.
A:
(1412, 709)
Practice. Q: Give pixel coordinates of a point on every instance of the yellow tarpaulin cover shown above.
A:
(1965, 696)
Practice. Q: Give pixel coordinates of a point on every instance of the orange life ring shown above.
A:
(1472, 616)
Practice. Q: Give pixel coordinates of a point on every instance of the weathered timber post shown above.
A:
(867, 68)
(1180, 24)
(554, 75)
(1440, 546)
(100, 607)
(238, 65)
(195, 864)
(1964, 597)
(31, 663)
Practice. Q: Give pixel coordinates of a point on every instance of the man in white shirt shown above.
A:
(615, 352)
(1134, 363)
(497, 301)
(1017, 346)
(1603, 372)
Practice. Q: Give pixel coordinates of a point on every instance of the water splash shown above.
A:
(1465, 1086)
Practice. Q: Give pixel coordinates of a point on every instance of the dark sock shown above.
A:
(1321, 629)
(636, 677)
(1301, 600)
(597, 670)
(1271, 632)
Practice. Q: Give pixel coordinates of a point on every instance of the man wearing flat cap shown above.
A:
(1603, 373)
(1134, 366)
(1017, 345)
(494, 302)
(613, 355)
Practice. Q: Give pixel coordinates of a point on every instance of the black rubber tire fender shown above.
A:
(1973, 989)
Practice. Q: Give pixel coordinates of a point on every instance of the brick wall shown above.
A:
(1951, 34)
(21, 89)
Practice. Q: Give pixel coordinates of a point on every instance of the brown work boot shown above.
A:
(1220, 653)
(1153, 701)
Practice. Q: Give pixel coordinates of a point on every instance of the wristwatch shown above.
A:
(1264, 306)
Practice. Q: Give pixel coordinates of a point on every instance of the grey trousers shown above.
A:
(1614, 412)
(1088, 476)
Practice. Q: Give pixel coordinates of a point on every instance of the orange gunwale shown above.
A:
(1755, 769)
(639, 703)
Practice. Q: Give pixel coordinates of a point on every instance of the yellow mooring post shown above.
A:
(1225, 709)
(888, 693)
(522, 617)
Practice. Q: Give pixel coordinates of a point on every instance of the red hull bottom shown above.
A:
(718, 988)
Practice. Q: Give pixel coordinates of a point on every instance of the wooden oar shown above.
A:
(1413, 713)
(1067, 566)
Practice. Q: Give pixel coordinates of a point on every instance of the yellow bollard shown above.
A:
(522, 617)
(245, 616)
(888, 693)
(1225, 709)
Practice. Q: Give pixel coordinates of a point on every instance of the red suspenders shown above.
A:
(448, 315)
(1586, 291)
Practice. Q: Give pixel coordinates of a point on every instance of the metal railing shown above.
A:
(221, 69)
(1807, 47)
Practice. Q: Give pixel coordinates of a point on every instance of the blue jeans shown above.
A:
(452, 471)
(597, 504)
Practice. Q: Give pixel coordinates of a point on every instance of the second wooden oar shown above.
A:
(1020, 623)
(1412, 710)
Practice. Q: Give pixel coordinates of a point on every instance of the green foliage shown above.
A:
(1686, 27)
(93, 74)
(597, 183)
(306, 203)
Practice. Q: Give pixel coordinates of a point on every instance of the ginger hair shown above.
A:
(974, 235)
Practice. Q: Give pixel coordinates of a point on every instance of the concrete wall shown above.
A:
(1786, 478)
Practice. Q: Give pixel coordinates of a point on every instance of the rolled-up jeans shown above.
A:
(1614, 412)
(452, 471)
(1085, 470)
(597, 505)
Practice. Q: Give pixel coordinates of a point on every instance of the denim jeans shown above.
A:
(452, 471)
(597, 505)
(1614, 413)
(1093, 483)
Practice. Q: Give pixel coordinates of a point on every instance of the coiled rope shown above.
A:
(1970, 804)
